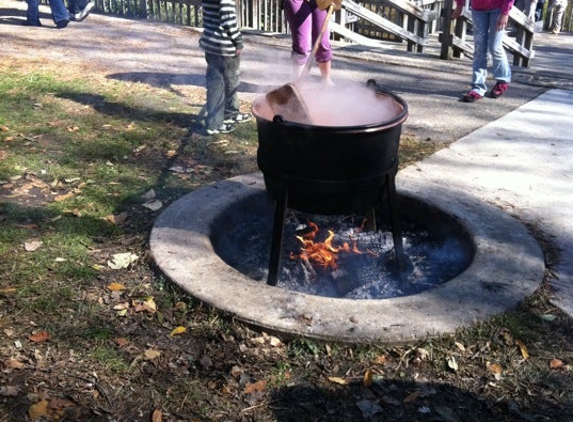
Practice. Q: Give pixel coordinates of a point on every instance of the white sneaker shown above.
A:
(78, 17)
(226, 128)
(240, 118)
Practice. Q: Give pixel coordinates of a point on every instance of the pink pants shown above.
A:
(305, 21)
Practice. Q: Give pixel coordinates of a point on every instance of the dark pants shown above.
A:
(222, 82)
(76, 6)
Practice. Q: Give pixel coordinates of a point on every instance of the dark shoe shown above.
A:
(85, 12)
(239, 118)
(471, 97)
(499, 89)
(62, 24)
(32, 23)
(226, 128)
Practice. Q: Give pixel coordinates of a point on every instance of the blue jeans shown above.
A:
(59, 11)
(488, 39)
(33, 14)
(222, 82)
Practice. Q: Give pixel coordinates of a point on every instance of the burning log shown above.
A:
(309, 273)
(378, 242)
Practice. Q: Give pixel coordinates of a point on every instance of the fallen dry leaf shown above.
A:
(9, 391)
(507, 337)
(523, 349)
(121, 306)
(148, 306)
(257, 386)
(494, 367)
(63, 197)
(452, 363)
(412, 396)
(13, 363)
(58, 405)
(151, 354)
(122, 342)
(31, 226)
(139, 148)
(116, 218)
(156, 416)
(122, 260)
(6, 290)
(33, 245)
(76, 212)
(556, 363)
(178, 330)
(38, 410)
(115, 287)
(149, 195)
(447, 414)
(39, 336)
(367, 378)
(153, 205)
(338, 380)
(381, 360)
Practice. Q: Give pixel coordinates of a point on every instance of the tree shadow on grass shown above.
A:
(167, 81)
(390, 400)
(101, 105)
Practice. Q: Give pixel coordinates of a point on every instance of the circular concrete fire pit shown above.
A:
(506, 268)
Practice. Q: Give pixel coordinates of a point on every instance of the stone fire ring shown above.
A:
(507, 267)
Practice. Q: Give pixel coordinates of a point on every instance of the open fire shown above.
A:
(323, 254)
(335, 256)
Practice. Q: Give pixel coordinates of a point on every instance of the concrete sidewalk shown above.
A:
(523, 164)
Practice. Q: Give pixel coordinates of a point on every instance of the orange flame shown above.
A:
(323, 254)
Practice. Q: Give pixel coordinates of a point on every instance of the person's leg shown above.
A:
(73, 7)
(60, 14)
(80, 9)
(215, 84)
(324, 68)
(33, 13)
(298, 15)
(501, 68)
(481, 29)
(558, 16)
(232, 81)
(539, 10)
(324, 51)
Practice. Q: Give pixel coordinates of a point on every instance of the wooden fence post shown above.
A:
(143, 9)
(446, 50)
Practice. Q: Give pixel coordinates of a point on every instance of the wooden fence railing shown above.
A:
(366, 22)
